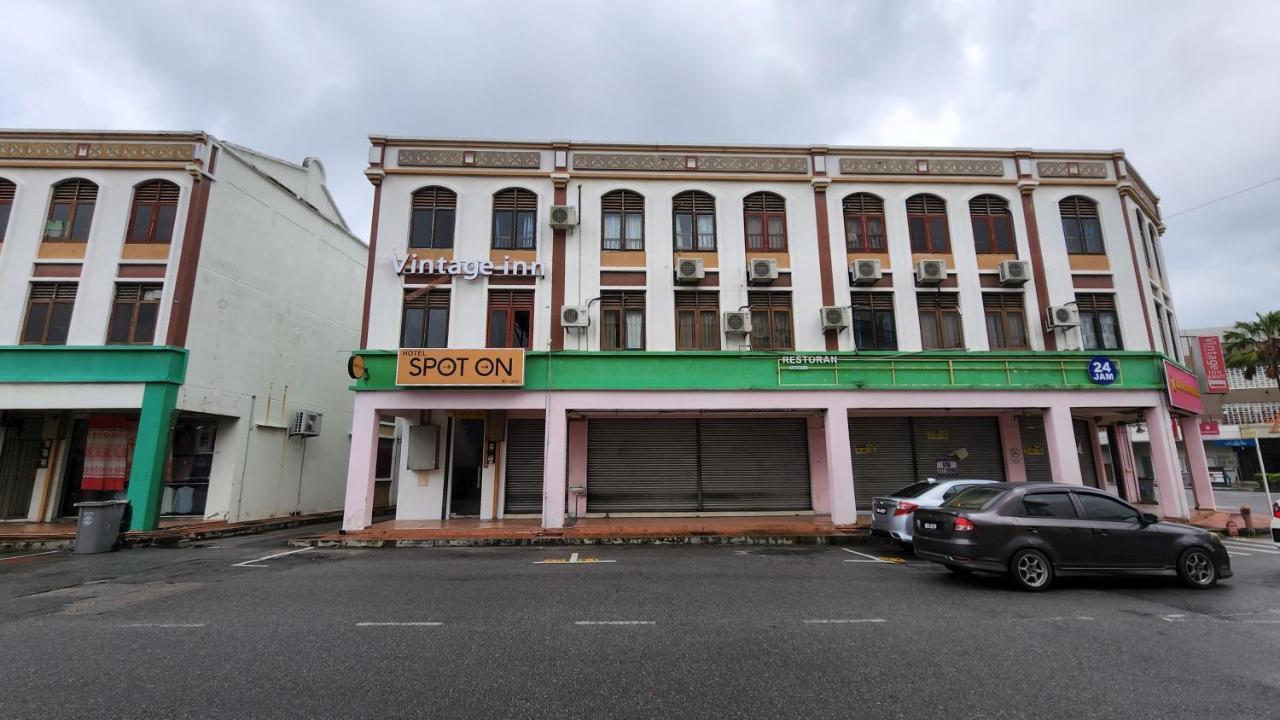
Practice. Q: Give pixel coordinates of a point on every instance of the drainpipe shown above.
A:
(244, 463)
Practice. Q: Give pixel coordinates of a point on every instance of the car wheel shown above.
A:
(1196, 569)
(1031, 570)
(960, 570)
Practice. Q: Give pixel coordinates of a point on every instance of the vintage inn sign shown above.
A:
(441, 366)
(411, 264)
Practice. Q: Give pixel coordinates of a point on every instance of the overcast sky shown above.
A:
(1190, 90)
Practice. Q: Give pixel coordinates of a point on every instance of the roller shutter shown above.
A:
(523, 483)
(754, 464)
(1084, 450)
(940, 439)
(1035, 449)
(642, 466)
(891, 453)
(882, 457)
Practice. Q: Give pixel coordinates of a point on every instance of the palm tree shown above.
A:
(1255, 345)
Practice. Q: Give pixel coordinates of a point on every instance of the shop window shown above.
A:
(155, 207)
(697, 320)
(940, 327)
(992, 225)
(425, 321)
(1099, 324)
(622, 321)
(7, 192)
(765, 214)
(187, 486)
(71, 211)
(511, 319)
(133, 314)
(623, 227)
(864, 223)
(771, 327)
(927, 224)
(874, 327)
(515, 219)
(432, 218)
(49, 313)
(1081, 226)
(694, 221)
(1006, 320)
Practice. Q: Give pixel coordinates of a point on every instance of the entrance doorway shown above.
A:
(466, 458)
(19, 459)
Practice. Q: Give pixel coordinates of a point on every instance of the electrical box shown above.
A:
(422, 447)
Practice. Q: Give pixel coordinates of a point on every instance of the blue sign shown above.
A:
(1234, 443)
(1102, 370)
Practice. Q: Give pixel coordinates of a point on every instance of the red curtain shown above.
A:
(106, 453)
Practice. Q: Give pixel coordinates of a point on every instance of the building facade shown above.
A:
(168, 302)
(739, 330)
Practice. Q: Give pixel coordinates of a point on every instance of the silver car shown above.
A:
(892, 515)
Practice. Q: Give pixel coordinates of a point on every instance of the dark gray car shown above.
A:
(1034, 532)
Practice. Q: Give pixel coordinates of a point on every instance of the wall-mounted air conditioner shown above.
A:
(1015, 272)
(762, 271)
(564, 217)
(689, 270)
(737, 322)
(835, 317)
(931, 272)
(1062, 316)
(306, 423)
(574, 316)
(865, 272)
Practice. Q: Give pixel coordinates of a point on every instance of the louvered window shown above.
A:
(927, 224)
(874, 327)
(940, 327)
(694, 219)
(431, 222)
(1006, 320)
(515, 213)
(511, 319)
(1081, 226)
(49, 313)
(622, 321)
(771, 327)
(992, 225)
(623, 216)
(71, 211)
(425, 322)
(155, 206)
(1099, 323)
(697, 320)
(766, 221)
(7, 192)
(133, 314)
(864, 223)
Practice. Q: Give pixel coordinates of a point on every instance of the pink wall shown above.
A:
(1015, 467)
(578, 465)
(819, 483)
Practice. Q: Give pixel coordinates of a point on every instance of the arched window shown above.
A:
(1080, 226)
(623, 227)
(155, 205)
(7, 191)
(766, 222)
(515, 213)
(431, 219)
(694, 221)
(71, 211)
(864, 223)
(992, 225)
(927, 224)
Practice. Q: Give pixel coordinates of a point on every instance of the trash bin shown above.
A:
(99, 525)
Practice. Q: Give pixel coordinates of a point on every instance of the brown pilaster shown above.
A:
(558, 239)
(1026, 186)
(824, 252)
(184, 284)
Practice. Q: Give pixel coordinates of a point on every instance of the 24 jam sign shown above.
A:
(440, 366)
(1102, 370)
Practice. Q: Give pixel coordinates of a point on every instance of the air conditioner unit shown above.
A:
(737, 322)
(762, 271)
(574, 316)
(865, 272)
(305, 423)
(1015, 272)
(1063, 316)
(689, 270)
(931, 272)
(564, 217)
(835, 317)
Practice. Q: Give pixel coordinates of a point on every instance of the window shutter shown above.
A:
(695, 300)
(764, 202)
(515, 299)
(873, 301)
(435, 198)
(988, 205)
(863, 204)
(76, 191)
(1077, 206)
(766, 298)
(1002, 301)
(426, 297)
(156, 191)
(7, 191)
(695, 202)
(938, 301)
(53, 291)
(515, 199)
(926, 205)
(128, 293)
(622, 201)
(1096, 302)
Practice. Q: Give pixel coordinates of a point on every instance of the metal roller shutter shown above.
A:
(938, 439)
(1084, 450)
(882, 457)
(1035, 449)
(754, 464)
(642, 466)
(523, 484)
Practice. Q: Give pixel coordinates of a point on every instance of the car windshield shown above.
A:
(915, 490)
(975, 498)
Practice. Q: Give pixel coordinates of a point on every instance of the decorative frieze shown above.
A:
(33, 150)
(920, 166)
(1064, 168)
(470, 158)
(691, 163)
(38, 150)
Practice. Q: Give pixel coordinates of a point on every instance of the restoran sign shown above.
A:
(442, 366)
(1184, 389)
(412, 264)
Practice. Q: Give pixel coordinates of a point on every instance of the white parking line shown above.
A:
(869, 558)
(615, 622)
(1247, 541)
(1237, 554)
(845, 621)
(1251, 547)
(19, 557)
(250, 563)
(573, 560)
(164, 625)
(399, 624)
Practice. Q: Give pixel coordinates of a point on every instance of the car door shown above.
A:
(1051, 516)
(1118, 536)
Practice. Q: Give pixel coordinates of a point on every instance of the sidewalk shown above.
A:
(62, 534)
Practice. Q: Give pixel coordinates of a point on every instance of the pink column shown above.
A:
(362, 465)
(818, 482)
(844, 509)
(1099, 462)
(578, 464)
(1128, 463)
(554, 465)
(1060, 435)
(1198, 463)
(1015, 469)
(1164, 458)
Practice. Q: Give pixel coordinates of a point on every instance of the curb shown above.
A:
(552, 541)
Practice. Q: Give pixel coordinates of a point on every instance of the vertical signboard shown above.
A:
(1214, 364)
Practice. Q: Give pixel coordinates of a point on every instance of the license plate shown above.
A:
(930, 526)
(881, 511)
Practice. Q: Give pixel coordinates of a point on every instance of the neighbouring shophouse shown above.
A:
(175, 314)
(568, 330)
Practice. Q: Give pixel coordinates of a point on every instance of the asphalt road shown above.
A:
(659, 632)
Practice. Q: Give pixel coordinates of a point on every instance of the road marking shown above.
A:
(1262, 622)
(20, 557)
(1176, 617)
(1060, 618)
(1251, 547)
(250, 563)
(845, 621)
(1246, 541)
(615, 622)
(164, 625)
(874, 558)
(1237, 553)
(399, 624)
(573, 560)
